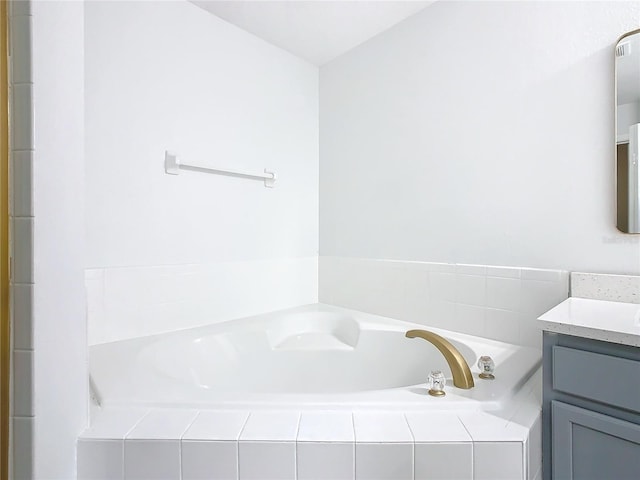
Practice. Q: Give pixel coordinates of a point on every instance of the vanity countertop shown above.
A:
(614, 322)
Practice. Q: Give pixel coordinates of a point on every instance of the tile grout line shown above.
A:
(197, 415)
(353, 425)
(244, 425)
(295, 447)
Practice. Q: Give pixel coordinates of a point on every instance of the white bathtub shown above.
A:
(315, 356)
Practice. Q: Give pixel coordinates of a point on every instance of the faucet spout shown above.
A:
(462, 377)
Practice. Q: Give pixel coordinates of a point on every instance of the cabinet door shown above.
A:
(590, 446)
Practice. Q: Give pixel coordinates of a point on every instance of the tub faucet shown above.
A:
(462, 377)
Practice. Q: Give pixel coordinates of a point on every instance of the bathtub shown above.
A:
(311, 357)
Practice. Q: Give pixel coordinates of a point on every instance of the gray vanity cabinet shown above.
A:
(591, 409)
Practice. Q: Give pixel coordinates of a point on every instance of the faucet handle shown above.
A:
(486, 366)
(437, 383)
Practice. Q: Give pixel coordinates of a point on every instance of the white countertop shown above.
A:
(615, 322)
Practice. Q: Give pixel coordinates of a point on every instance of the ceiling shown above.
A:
(317, 31)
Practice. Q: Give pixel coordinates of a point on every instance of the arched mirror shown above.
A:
(628, 132)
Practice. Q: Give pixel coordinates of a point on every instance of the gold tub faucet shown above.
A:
(462, 377)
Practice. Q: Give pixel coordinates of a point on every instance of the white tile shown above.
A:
(470, 319)
(20, 7)
(271, 426)
(163, 424)
(485, 427)
(503, 325)
(23, 431)
(100, 459)
(539, 296)
(22, 250)
(385, 290)
(503, 272)
(437, 427)
(542, 274)
(468, 269)
(414, 266)
(498, 461)
(530, 332)
(22, 316)
(209, 460)
(114, 423)
(329, 279)
(384, 461)
(132, 287)
(326, 427)
(23, 383)
(152, 460)
(471, 290)
(217, 425)
(442, 315)
(442, 286)
(22, 109)
(374, 427)
(325, 461)
(22, 171)
(534, 450)
(416, 294)
(441, 267)
(20, 27)
(267, 460)
(503, 293)
(94, 286)
(443, 461)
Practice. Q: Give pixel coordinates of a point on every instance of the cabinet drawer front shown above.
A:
(603, 378)
(591, 446)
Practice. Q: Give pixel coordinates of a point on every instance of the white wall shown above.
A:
(170, 76)
(478, 133)
(60, 340)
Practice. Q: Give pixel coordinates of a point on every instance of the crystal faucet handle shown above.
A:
(436, 383)
(486, 366)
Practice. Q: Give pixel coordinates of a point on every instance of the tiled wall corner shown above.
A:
(600, 286)
(501, 303)
(22, 225)
(130, 302)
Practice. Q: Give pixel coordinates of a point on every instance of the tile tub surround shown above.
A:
(288, 444)
(128, 302)
(602, 286)
(501, 303)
